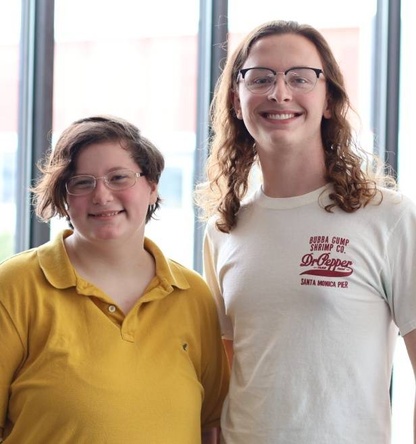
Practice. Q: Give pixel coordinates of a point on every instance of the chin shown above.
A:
(106, 234)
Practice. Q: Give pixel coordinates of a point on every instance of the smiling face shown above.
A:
(106, 214)
(282, 118)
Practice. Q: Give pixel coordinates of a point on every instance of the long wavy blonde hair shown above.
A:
(354, 173)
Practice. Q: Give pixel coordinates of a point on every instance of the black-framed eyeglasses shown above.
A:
(260, 80)
(117, 180)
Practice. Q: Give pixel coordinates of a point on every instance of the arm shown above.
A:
(410, 341)
(211, 278)
(210, 436)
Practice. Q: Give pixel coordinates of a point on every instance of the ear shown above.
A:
(154, 192)
(237, 105)
(327, 113)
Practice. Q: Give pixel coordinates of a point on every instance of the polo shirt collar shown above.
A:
(58, 270)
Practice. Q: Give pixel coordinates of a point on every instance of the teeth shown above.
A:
(280, 116)
(106, 214)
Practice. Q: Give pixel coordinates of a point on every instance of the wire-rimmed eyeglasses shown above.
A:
(117, 180)
(260, 80)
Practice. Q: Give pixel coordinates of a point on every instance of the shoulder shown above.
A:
(173, 273)
(246, 207)
(18, 265)
(36, 266)
(213, 237)
(195, 286)
(20, 274)
(179, 269)
(395, 201)
(192, 292)
(392, 211)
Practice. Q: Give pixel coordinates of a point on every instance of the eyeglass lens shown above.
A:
(115, 180)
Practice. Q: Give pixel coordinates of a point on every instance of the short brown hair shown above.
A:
(58, 166)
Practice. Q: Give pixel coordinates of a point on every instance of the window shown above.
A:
(134, 61)
(9, 82)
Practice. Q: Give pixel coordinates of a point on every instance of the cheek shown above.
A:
(137, 198)
(313, 105)
(242, 101)
(75, 205)
(323, 109)
(248, 103)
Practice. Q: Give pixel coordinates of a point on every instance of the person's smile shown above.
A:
(106, 214)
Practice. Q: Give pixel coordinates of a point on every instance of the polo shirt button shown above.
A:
(112, 308)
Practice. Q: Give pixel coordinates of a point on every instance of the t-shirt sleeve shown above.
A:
(211, 276)
(399, 274)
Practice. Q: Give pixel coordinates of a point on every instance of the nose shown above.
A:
(101, 194)
(280, 91)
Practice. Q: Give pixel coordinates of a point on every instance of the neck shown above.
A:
(113, 254)
(289, 175)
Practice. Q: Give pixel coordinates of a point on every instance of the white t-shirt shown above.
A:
(313, 301)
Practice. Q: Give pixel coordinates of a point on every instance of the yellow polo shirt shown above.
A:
(74, 369)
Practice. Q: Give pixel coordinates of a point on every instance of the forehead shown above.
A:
(282, 52)
(104, 154)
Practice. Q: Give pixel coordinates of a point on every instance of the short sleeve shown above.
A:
(211, 276)
(11, 356)
(399, 274)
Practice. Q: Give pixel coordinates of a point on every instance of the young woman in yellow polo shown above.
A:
(103, 338)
